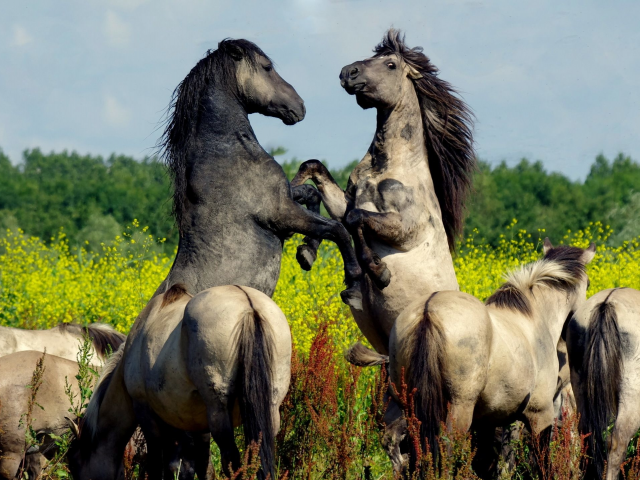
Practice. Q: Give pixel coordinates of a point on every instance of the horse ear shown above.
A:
(235, 51)
(547, 245)
(588, 254)
(412, 73)
(73, 427)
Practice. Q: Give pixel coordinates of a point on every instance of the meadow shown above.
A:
(331, 418)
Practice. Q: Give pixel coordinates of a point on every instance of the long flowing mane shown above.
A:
(216, 68)
(448, 135)
(561, 268)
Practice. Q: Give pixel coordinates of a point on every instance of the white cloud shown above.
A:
(20, 36)
(117, 30)
(115, 113)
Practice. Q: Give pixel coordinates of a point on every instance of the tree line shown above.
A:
(92, 198)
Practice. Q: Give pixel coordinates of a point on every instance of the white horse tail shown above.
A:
(426, 375)
(602, 377)
(256, 367)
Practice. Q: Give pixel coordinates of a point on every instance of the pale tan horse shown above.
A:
(16, 372)
(200, 364)
(603, 340)
(492, 363)
(62, 341)
(404, 201)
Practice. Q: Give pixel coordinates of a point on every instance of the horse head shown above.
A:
(261, 89)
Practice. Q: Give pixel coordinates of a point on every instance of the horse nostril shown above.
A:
(353, 73)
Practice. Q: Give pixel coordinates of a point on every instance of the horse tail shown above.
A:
(602, 377)
(426, 375)
(256, 358)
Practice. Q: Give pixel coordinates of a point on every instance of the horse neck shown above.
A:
(551, 309)
(399, 137)
(222, 115)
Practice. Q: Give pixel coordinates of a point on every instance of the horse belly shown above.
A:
(414, 274)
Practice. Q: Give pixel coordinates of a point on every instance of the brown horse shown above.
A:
(492, 363)
(16, 372)
(603, 340)
(62, 341)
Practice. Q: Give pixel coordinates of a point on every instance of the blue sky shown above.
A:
(548, 80)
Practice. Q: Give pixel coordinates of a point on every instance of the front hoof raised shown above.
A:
(380, 275)
(352, 296)
(305, 256)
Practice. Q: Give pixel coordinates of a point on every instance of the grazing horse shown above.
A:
(234, 208)
(404, 201)
(205, 363)
(62, 341)
(16, 372)
(492, 363)
(603, 340)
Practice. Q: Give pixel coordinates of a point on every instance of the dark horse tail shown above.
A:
(255, 357)
(426, 375)
(601, 378)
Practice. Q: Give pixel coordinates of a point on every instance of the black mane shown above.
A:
(448, 124)
(217, 67)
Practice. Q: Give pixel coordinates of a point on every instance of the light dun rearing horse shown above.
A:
(234, 208)
(404, 200)
(492, 363)
(603, 340)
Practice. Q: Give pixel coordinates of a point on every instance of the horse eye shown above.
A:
(268, 68)
(391, 65)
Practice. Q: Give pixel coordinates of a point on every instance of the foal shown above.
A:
(492, 363)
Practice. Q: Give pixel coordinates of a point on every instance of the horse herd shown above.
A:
(212, 351)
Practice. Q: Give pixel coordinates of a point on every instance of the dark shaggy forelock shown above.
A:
(448, 131)
(217, 67)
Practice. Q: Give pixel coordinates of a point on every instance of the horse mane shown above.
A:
(561, 268)
(216, 68)
(90, 420)
(447, 122)
(104, 338)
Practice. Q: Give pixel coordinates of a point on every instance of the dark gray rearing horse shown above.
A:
(233, 204)
(234, 208)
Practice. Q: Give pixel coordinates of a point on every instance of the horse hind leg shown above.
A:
(221, 425)
(627, 424)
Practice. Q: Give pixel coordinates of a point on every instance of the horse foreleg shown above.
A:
(376, 268)
(307, 252)
(332, 195)
(293, 218)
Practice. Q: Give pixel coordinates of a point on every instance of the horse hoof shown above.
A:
(381, 276)
(305, 256)
(353, 298)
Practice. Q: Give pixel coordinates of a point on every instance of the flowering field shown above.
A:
(43, 284)
(330, 418)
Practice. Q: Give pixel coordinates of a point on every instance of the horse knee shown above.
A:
(9, 465)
